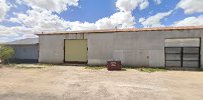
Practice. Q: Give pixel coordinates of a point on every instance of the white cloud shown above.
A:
(4, 39)
(15, 32)
(6, 31)
(33, 22)
(157, 1)
(191, 6)
(18, 2)
(190, 21)
(154, 21)
(130, 5)
(121, 19)
(4, 7)
(52, 5)
(144, 4)
(142, 20)
(46, 21)
(74, 26)
(38, 20)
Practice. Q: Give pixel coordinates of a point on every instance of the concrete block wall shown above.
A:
(132, 48)
(51, 49)
(141, 49)
(100, 48)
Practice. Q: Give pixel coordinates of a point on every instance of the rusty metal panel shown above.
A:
(114, 65)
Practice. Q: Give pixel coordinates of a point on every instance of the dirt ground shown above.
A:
(71, 82)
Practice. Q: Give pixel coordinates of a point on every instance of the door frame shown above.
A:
(74, 62)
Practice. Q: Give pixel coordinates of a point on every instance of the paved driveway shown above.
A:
(70, 82)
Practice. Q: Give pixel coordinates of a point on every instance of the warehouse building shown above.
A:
(154, 47)
(26, 50)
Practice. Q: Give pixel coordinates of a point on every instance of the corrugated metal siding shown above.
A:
(25, 52)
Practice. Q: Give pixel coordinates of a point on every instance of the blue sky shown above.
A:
(90, 10)
(24, 18)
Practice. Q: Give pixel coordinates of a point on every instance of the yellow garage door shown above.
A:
(75, 50)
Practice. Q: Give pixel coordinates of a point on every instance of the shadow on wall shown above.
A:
(26, 61)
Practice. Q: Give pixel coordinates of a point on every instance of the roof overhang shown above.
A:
(124, 30)
(21, 44)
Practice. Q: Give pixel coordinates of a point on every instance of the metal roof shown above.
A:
(27, 41)
(125, 30)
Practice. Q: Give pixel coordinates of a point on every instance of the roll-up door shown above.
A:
(75, 51)
(182, 52)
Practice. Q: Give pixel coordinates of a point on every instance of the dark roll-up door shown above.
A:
(182, 57)
(182, 53)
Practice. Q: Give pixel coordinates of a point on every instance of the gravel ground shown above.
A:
(78, 83)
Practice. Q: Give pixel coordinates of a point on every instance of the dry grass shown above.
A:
(75, 83)
(95, 67)
(150, 70)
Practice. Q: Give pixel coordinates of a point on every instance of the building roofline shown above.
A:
(26, 41)
(21, 44)
(125, 30)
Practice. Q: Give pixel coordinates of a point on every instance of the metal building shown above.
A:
(154, 47)
(26, 50)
